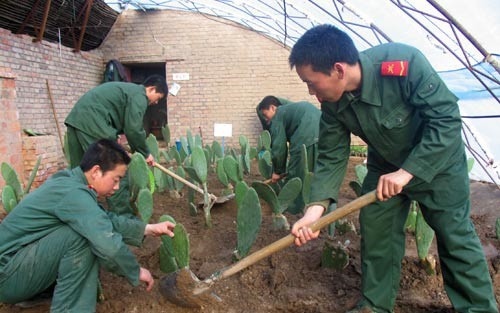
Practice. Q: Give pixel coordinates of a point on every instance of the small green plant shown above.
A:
(142, 186)
(197, 169)
(174, 251)
(13, 191)
(248, 220)
(279, 203)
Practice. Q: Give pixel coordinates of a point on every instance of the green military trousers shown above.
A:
(296, 167)
(78, 142)
(63, 255)
(445, 206)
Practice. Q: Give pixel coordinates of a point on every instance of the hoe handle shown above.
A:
(179, 178)
(284, 242)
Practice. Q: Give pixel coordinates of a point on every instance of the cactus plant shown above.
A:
(245, 154)
(174, 251)
(141, 181)
(13, 192)
(265, 164)
(280, 202)
(198, 171)
(165, 132)
(249, 219)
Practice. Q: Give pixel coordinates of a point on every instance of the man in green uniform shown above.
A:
(291, 124)
(58, 234)
(107, 111)
(393, 99)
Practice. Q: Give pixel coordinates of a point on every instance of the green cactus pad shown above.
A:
(144, 204)
(249, 219)
(168, 264)
(199, 163)
(32, 175)
(361, 171)
(11, 179)
(181, 246)
(289, 193)
(232, 168)
(411, 220)
(217, 149)
(9, 199)
(306, 187)
(265, 140)
(190, 139)
(240, 192)
(165, 132)
(178, 185)
(175, 155)
(423, 235)
(221, 173)
(267, 194)
(152, 145)
(265, 165)
(138, 173)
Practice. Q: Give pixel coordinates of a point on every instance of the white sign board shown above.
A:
(223, 130)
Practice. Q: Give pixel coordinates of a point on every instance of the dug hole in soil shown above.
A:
(291, 280)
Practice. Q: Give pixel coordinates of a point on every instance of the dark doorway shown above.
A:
(156, 115)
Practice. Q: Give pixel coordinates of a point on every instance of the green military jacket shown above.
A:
(410, 121)
(294, 124)
(111, 109)
(66, 199)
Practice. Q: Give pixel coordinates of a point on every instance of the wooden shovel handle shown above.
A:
(284, 242)
(179, 178)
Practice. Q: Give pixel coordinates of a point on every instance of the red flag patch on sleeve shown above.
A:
(394, 68)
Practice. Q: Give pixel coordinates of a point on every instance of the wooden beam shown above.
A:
(88, 8)
(44, 21)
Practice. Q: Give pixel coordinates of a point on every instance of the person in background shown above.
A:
(291, 125)
(392, 98)
(59, 235)
(107, 111)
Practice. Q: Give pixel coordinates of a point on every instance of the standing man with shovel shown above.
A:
(393, 99)
(107, 111)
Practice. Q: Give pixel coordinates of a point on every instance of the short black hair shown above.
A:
(157, 81)
(321, 47)
(105, 153)
(266, 103)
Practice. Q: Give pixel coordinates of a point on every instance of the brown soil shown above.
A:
(291, 280)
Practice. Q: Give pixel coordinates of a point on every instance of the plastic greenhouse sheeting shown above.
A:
(460, 38)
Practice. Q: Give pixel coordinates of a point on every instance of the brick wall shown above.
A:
(230, 68)
(34, 67)
(10, 136)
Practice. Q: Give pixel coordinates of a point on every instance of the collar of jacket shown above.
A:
(369, 85)
(77, 172)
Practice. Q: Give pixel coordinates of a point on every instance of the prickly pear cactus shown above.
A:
(289, 193)
(265, 165)
(165, 132)
(144, 204)
(11, 179)
(180, 244)
(264, 140)
(424, 236)
(411, 220)
(217, 150)
(245, 154)
(498, 228)
(152, 145)
(249, 219)
(138, 173)
(361, 172)
(9, 198)
(231, 166)
(240, 191)
(168, 262)
(175, 155)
